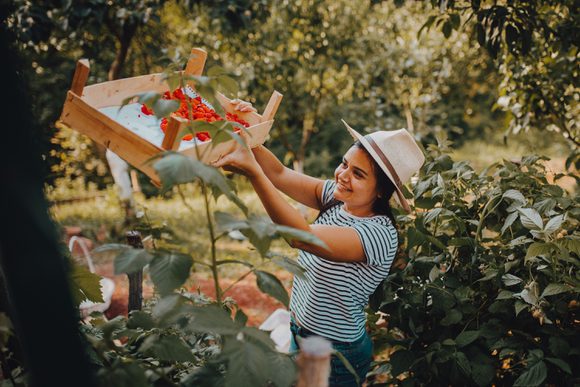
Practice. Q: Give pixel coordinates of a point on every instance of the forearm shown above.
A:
(270, 164)
(279, 210)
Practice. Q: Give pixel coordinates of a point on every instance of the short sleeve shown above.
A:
(327, 192)
(379, 241)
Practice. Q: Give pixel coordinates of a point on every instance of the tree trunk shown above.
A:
(125, 39)
(409, 117)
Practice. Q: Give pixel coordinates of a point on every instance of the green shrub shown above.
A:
(490, 292)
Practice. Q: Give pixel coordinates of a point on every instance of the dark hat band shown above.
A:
(386, 161)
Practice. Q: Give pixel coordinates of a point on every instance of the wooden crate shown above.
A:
(81, 113)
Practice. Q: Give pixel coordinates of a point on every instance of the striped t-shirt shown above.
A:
(330, 300)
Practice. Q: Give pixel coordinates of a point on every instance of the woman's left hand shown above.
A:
(241, 160)
(243, 106)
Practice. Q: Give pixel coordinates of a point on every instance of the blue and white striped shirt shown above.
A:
(330, 301)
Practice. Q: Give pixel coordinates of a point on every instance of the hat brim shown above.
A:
(399, 197)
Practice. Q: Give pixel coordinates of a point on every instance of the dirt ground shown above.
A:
(255, 304)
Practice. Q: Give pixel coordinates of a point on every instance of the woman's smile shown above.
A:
(342, 187)
(356, 183)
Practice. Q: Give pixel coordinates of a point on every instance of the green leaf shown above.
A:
(270, 284)
(509, 220)
(560, 364)
(212, 319)
(531, 219)
(124, 374)
(131, 260)
(227, 222)
(432, 214)
(164, 107)
(482, 373)
(297, 234)
(241, 318)
(167, 348)
(571, 243)
(168, 308)
(462, 363)
(427, 25)
(252, 361)
(170, 270)
(289, 264)
(453, 316)
(480, 34)
(554, 288)
(447, 29)
(533, 376)
(538, 248)
(519, 306)
(455, 20)
(448, 342)
(229, 84)
(510, 279)
(85, 285)
(488, 275)
(216, 71)
(140, 319)
(466, 338)
(505, 295)
(147, 98)
(463, 241)
(559, 347)
(515, 195)
(554, 224)
(401, 361)
(442, 298)
(175, 168)
(415, 238)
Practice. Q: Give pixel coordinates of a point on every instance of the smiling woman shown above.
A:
(355, 224)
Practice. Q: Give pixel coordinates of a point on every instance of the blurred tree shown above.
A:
(53, 35)
(535, 47)
(364, 63)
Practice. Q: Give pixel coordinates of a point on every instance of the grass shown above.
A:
(484, 152)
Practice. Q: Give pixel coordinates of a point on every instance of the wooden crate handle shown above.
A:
(170, 141)
(272, 106)
(80, 78)
(196, 62)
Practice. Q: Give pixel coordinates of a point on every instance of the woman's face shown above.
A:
(356, 183)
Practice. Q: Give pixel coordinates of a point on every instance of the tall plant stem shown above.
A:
(214, 262)
(214, 265)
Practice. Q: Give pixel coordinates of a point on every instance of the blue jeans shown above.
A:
(358, 353)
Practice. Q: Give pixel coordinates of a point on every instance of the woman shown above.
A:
(355, 223)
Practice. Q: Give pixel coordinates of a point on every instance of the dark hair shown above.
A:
(385, 188)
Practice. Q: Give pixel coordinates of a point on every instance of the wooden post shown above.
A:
(272, 106)
(135, 279)
(314, 362)
(170, 141)
(80, 77)
(195, 64)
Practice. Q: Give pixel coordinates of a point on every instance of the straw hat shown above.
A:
(396, 152)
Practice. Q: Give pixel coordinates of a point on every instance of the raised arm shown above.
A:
(300, 187)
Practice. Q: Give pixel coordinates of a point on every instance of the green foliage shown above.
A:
(491, 289)
(85, 285)
(536, 49)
